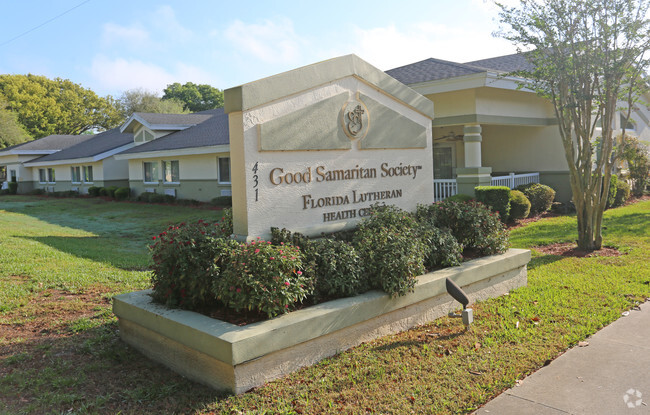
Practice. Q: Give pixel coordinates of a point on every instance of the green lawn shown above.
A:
(62, 259)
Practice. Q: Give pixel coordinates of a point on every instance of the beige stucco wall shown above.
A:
(503, 102)
(448, 104)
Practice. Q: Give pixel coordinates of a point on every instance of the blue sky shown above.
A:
(110, 46)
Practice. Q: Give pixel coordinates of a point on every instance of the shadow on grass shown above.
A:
(93, 371)
(637, 224)
(98, 249)
(540, 261)
(411, 343)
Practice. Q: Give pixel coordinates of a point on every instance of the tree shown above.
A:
(11, 131)
(588, 57)
(56, 106)
(195, 97)
(141, 100)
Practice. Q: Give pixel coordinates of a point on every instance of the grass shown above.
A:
(62, 260)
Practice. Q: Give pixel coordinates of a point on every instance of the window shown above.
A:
(88, 174)
(42, 178)
(75, 174)
(442, 162)
(224, 169)
(170, 171)
(3, 173)
(13, 175)
(50, 175)
(628, 124)
(150, 171)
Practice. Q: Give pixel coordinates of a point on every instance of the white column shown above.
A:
(472, 141)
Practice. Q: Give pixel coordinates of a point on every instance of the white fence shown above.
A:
(443, 188)
(513, 180)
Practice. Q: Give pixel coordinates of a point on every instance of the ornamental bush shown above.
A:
(472, 223)
(611, 194)
(122, 193)
(187, 258)
(13, 188)
(442, 249)
(519, 205)
(622, 193)
(262, 277)
(337, 269)
(460, 197)
(496, 198)
(390, 249)
(540, 197)
(93, 191)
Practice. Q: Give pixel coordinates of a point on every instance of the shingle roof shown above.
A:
(173, 119)
(53, 142)
(97, 144)
(506, 63)
(211, 132)
(431, 70)
(436, 69)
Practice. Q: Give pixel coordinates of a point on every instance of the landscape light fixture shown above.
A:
(459, 295)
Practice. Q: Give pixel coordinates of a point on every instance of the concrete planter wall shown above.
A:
(233, 358)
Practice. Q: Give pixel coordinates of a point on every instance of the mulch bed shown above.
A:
(570, 249)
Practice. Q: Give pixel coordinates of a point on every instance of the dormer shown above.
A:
(146, 127)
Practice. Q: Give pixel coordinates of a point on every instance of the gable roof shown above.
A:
(155, 121)
(46, 145)
(437, 69)
(95, 147)
(213, 131)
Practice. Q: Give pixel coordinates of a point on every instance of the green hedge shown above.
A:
(519, 205)
(540, 197)
(496, 197)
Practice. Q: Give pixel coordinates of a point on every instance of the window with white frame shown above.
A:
(224, 169)
(13, 175)
(151, 172)
(170, 171)
(88, 174)
(75, 174)
(51, 177)
(42, 176)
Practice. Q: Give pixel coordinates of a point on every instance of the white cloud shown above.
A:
(132, 36)
(164, 19)
(120, 74)
(270, 42)
(389, 47)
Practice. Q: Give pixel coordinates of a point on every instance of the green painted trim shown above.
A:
(256, 93)
(474, 170)
(493, 119)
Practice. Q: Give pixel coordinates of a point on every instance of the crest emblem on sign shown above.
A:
(356, 119)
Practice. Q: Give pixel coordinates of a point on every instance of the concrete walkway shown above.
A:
(610, 376)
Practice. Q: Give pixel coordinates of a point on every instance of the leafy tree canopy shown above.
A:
(589, 58)
(11, 131)
(194, 97)
(56, 106)
(141, 100)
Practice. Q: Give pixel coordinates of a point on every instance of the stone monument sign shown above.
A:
(313, 148)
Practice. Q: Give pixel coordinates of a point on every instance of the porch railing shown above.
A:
(443, 188)
(513, 180)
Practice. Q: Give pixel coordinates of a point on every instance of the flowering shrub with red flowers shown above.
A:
(186, 259)
(262, 277)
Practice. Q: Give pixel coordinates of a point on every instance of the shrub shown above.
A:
(262, 277)
(13, 188)
(110, 191)
(187, 258)
(122, 193)
(611, 194)
(156, 198)
(472, 224)
(540, 197)
(225, 223)
(337, 269)
(622, 193)
(495, 197)
(460, 197)
(37, 192)
(390, 250)
(94, 191)
(224, 201)
(441, 248)
(638, 161)
(285, 236)
(519, 205)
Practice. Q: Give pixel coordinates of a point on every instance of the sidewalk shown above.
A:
(609, 376)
